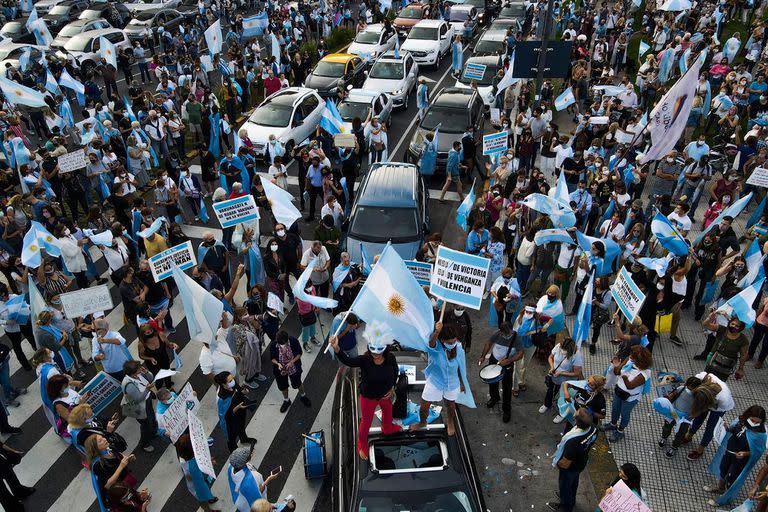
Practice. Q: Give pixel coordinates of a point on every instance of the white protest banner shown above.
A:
(623, 137)
(496, 117)
(103, 390)
(421, 271)
(86, 301)
(598, 120)
(274, 302)
(495, 143)
(627, 295)
(175, 419)
(235, 211)
(72, 161)
(759, 177)
(181, 254)
(459, 277)
(344, 140)
(200, 445)
(622, 499)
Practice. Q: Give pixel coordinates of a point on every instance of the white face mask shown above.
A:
(280, 232)
(670, 160)
(609, 136)
(231, 384)
(527, 315)
(66, 232)
(458, 312)
(752, 423)
(660, 286)
(273, 247)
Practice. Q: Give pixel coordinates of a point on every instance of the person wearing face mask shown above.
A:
(213, 254)
(478, 238)
(138, 387)
(290, 250)
(480, 213)
(728, 351)
(190, 185)
(14, 330)
(706, 260)
(275, 269)
(64, 399)
(734, 271)
(446, 376)
(504, 348)
(286, 365)
(308, 318)
(453, 168)
(743, 446)
(667, 172)
(72, 254)
(232, 405)
(114, 482)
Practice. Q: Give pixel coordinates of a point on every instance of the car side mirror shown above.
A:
(349, 87)
(365, 72)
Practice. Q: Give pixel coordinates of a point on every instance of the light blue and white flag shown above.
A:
(107, 51)
(301, 283)
(50, 83)
(35, 239)
(560, 192)
(754, 258)
(66, 80)
(203, 212)
(609, 90)
(644, 47)
(275, 47)
(366, 264)
(546, 236)
(397, 47)
(18, 94)
(507, 79)
(153, 228)
(104, 238)
(18, 309)
(668, 236)
(202, 310)
(254, 25)
(32, 17)
(26, 6)
(214, 38)
(732, 211)
(331, 121)
(605, 265)
(562, 215)
(462, 212)
(660, 265)
(565, 99)
(281, 202)
(740, 304)
(40, 30)
(24, 58)
(583, 320)
(758, 213)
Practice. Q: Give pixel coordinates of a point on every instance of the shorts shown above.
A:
(432, 393)
(282, 380)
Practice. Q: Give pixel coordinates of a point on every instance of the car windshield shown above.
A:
(489, 47)
(11, 28)
(449, 119)
(387, 70)
(272, 114)
(59, 10)
(90, 14)
(348, 110)
(410, 13)
(457, 15)
(146, 15)
(423, 500)
(367, 38)
(71, 30)
(428, 33)
(329, 69)
(490, 72)
(514, 11)
(480, 4)
(77, 43)
(379, 224)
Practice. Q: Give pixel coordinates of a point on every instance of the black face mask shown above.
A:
(733, 329)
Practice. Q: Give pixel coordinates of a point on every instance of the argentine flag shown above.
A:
(280, 201)
(107, 51)
(367, 263)
(18, 94)
(40, 30)
(546, 236)
(754, 258)
(213, 37)
(35, 239)
(561, 214)
(658, 264)
(331, 121)
(203, 310)
(565, 99)
(732, 211)
(584, 316)
(668, 236)
(462, 212)
(397, 47)
(254, 25)
(644, 47)
(301, 283)
(740, 305)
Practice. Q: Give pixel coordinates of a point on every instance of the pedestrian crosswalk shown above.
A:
(64, 485)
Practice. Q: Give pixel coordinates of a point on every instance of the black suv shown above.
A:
(453, 109)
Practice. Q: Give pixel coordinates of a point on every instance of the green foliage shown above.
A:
(339, 38)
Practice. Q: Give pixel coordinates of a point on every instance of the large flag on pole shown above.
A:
(203, 310)
(584, 316)
(741, 303)
(668, 236)
(18, 94)
(213, 37)
(331, 120)
(280, 201)
(670, 115)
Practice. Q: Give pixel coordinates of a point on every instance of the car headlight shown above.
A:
(416, 141)
(398, 92)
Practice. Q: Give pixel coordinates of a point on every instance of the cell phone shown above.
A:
(276, 470)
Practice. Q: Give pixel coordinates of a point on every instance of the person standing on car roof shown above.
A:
(378, 375)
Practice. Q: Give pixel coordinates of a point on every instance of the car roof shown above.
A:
(429, 23)
(417, 6)
(390, 55)
(454, 97)
(362, 95)
(392, 184)
(493, 35)
(375, 27)
(79, 23)
(290, 95)
(488, 60)
(462, 7)
(99, 32)
(339, 57)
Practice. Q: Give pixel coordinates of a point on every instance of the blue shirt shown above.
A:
(581, 198)
(695, 151)
(453, 163)
(114, 355)
(315, 176)
(443, 373)
(475, 241)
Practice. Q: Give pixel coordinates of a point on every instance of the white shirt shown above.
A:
(72, 253)
(682, 223)
(636, 392)
(336, 212)
(724, 399)
(280, 181)
(566, 258)
(322, 258)
(116, 256)
(156, 129)
(616, 234)
(561, 153)
(219, 360)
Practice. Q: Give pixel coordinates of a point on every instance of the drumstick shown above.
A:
(316, 441)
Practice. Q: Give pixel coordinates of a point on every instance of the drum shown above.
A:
(492, 373)
(314, 455)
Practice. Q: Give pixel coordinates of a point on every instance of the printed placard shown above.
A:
(175, 419)
(495, 116)
(89, 300)
(627, 295)
(759, 177)
(103, 389)
(421, 271)
(72, 161)
(622, 499)
(459, 278)
(181, 254)
(235, 211)
(474, 71)
(344, 140)
(495, 143)
(200, 444)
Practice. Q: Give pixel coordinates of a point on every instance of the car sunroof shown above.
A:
(407, 455)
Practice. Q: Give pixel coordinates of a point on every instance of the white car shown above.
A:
(76, 27)
(154, 4)
(43, 6)
(370, 43)
(484, 84)
(291, 114)
(429, 41)
(10, 52)
(84, 48)
(364, 104)
(461, 17)
(393, 76)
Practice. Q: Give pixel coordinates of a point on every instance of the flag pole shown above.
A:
(442, 312)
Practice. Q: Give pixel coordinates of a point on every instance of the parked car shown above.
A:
(503, 24)
(62, 13)
(486, 10)
(371, 42)
(513, 11)
(491, 42)
(426, 471)
(463, 19)
(396, 77)
(411, 14)
(390, 206)
(147, 22)
(453, 109)
(10, 52)
(153, 4)
(362, 103)
(336, 69)
(484, 84)
(429, 41)
(43, 6)
(85, 47)
(291, 114)
(16, 31)
(115, 13)
(76, 27)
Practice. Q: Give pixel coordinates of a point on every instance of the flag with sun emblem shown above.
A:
(391, 295)
(280, 201)
(18, 94)
(107, 51)
(213, 38)
(38, 238)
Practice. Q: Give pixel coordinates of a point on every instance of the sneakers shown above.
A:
(662, 442)
(700, 357)
(558, 419)
(616, 435)
(670, 452)
(506, 416)
(252, 384)
(554, 505)
(307, 348)
(694, 455)
(677, 341)
(261, 377)
(711, 488)
(149, 448)
(543, 409)
(305, 400)
(285, 406)
(608, 427)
